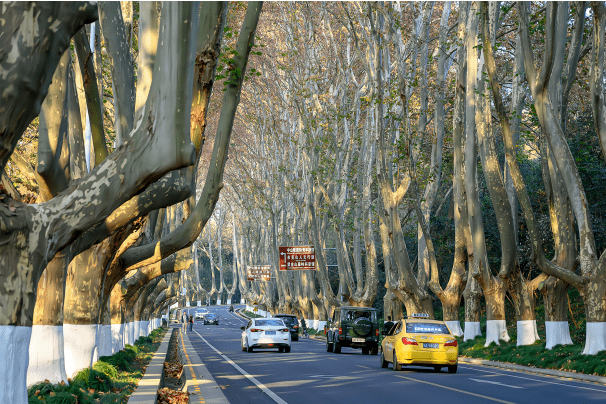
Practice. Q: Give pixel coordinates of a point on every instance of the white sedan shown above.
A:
(265, 333)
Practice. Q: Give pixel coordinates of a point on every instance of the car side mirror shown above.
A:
(384, 332)
(243, 328)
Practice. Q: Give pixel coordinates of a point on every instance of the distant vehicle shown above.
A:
(291, 321)
(200, 314)
(265, 333)
(354, 327)
(419, 341)
(211, 318)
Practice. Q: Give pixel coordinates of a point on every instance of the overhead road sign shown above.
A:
(258, 272)
(297, 258)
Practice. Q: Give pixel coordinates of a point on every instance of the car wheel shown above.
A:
(248, 348)
(396, 366)
(336, 347)
(374, 350)
(280, 349)
(287, 349)
(365, 351)
(437, 368)
(296, 338)
(384, 363)
(328, 345)
(452, 369)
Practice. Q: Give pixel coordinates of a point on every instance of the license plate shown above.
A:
(358, 340)
(430, 345)
(270, 333)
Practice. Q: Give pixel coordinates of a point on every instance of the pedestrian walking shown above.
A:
(191, 323)
(304, 327)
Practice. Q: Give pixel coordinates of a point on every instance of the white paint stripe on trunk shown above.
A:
(477, 368)
(260, 385)
(105, 340)
(46, 360)
(80, 344)
(472, 330)
(14, 343)
(595, 338)
(527, 332)
(117, 339)
(455, 327)
(496, 330)
(493, 382)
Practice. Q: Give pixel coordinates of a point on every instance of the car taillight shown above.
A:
(409, 341)
(377, 332)
(340, 331)
(296, 326)
(285, 330)
(255, 330)
(451, 342)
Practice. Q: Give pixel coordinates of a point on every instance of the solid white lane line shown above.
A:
(534, 380)
(260, 385)
(500, 384)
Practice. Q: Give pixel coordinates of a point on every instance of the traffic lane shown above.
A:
(471, 384)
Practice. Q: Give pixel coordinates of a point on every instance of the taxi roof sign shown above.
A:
(419, 315)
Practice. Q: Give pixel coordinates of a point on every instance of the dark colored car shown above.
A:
(354, 327)
(291, 321)
(211, 318)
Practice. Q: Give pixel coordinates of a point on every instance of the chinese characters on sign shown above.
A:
(258, 272)
(297, 258)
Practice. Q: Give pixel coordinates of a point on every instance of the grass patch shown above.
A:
(562, 357)
(250, 314)
(111, 380)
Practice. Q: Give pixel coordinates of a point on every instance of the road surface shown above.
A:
(309, 374)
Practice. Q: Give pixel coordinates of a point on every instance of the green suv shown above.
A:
(354, 327)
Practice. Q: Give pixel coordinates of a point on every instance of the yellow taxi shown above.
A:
(419, 341)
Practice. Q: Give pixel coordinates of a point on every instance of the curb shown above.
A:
(147, 388)
(200, 384)
(548, 372)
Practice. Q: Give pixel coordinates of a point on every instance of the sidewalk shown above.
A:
(200, 383)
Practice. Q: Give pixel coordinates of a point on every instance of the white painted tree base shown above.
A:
(117, 337)
(199, 303)
(144, 328)
(527, 332)
(496, 330)
(186, 304)
(595, 339)
(218, 302)
(80, 345)
(249, 308)
(320, 325)
(131, 333)
(228, 301)
(46, 360)
(472, 330)
(455, 327)
(105, 340)
(14, 342)
(557, 333)
(242, 301)
(313, 324)
(136, 331)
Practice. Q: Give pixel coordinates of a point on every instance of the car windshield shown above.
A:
(427, 328)
(212, 315)
(351, 315)
(269, 322)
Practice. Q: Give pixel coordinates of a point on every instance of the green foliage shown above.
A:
(106, 368)
(561, 357)
(62, 398)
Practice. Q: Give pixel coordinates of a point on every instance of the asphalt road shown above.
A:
(308, 374)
